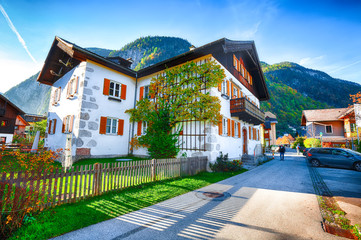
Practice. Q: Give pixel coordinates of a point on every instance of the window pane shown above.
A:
(114, 126)
(111, 89)
(146, 91)
(109, 122)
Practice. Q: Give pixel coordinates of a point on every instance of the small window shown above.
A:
(56, 96)
(2, 140)
(72, 87)
(225, 128)
(3, 123)
(353, 127)
(112, 126)
(224, 87)
(235, 92)
(114, 89)
(236, 129)
(144, 127)
(146, 92)
(67, 124)
(329, 129)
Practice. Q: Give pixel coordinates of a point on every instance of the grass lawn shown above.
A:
(6, 165)
(62, 219)
(105, 160)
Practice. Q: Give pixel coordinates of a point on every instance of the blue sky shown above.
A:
(323, 35)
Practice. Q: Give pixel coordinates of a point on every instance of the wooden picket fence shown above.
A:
(78, 183)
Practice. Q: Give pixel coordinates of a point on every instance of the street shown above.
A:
(273, 201)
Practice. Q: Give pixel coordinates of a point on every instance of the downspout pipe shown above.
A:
(131, 132)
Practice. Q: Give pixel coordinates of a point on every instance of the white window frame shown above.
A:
(146, 92)
(144, 127)
(67, 124)
(326, 129)
(225, 127)
(113, 90)
(56, 96)
(235, 91)
(224, 87)
(52, 128)
(111, 126)
(236, 129)
(72, 86)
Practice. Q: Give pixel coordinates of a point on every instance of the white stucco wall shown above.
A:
(9, 137)
(96, 105)
(65, 107)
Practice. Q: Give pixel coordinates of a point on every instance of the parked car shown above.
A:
(334, 157)
(304, 151)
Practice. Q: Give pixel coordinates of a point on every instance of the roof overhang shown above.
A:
(220, 46)
(64, 56)
(11, 104)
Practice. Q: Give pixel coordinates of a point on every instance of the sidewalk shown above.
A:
(273, 201)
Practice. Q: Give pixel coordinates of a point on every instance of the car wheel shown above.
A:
(357, 166)
(315, 163)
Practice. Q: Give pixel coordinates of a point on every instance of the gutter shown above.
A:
(131, 131)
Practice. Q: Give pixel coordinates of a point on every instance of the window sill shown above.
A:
(225, 96)
(114, 99)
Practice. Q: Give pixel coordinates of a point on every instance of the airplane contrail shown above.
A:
(12, 27)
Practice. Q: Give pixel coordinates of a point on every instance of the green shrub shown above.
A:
(222, 164)
(299, 140)
(312, 142)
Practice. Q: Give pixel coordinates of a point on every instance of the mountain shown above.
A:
(313, 83)
(146, 51)
(100, 51)
(294, 88)
(30, 96)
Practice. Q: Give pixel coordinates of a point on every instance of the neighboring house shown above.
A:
(286, 139)
(20, 126)
(8, 114)
(33, 118)
(336, 125)
(268, 130)
(90, 95)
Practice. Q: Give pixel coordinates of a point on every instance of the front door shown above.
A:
(245, 139)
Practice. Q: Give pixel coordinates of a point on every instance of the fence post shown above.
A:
(97, 178)
(154, 169)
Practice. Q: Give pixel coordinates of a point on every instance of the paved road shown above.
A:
(273, 201)
(345, 185)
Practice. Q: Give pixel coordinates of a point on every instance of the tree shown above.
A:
(180, 94)
(312, 142)
(299, 140)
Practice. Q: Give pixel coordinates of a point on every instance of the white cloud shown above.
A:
(335, 70)
(310, 62)
(12, 27)
(15, 72)
(250, 33)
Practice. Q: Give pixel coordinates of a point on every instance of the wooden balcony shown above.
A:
(246, 111)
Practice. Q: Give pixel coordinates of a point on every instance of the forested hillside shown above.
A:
(294, 88)
(146, 51)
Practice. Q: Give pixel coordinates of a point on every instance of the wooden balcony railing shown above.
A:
(246, 111)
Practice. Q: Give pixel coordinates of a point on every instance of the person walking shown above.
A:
(298, 149)
(282, 151)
